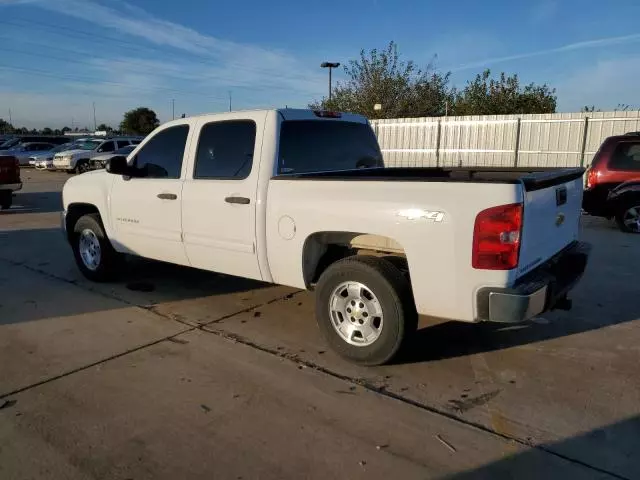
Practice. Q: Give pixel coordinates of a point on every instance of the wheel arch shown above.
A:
(321, 249)
(74, 212)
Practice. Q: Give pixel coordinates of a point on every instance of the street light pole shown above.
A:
(330, 66)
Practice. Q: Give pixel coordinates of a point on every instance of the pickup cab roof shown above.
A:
(286, 114)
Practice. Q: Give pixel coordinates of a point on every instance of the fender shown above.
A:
(631, 186)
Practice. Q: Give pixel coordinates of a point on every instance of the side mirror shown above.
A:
(118, 166)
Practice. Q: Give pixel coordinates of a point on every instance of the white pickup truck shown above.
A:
(301, 198)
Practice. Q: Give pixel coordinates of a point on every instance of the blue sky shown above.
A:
(61, 56)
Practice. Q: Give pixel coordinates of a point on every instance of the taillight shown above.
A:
(327, 114)
(496, 238)
(592, 178)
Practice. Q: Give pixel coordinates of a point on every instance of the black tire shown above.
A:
(6, 199)
(82, 166)
(394, 295)
(622, 214)
(109, 262)
(70, 172)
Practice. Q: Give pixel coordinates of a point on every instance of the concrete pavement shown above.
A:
(467, 400)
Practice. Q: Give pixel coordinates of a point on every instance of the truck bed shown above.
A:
(532, 178)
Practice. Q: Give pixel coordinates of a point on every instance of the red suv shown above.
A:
(9, 179)
(613, 182)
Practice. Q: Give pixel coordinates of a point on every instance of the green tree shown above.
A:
(103, 127)
(141, 121)
(47, 131)
(6, 127)
(382, 77)
(65, 130)
(485, 95)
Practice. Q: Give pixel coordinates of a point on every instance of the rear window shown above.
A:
(626, 156)
(322, 146)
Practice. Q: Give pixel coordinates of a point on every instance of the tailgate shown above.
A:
(9, 171)
(552, 206)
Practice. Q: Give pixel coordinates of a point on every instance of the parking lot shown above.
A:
(178, 373)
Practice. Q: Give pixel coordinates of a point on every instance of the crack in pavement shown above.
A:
(381, 390)
(292, 357)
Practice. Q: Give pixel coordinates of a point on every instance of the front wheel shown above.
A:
(365, 309)
(83, 166)
(94, 255)
(628, 216)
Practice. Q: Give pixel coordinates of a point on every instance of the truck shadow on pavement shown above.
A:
(35, 202)
(606, 296)
(39, 280)
(597, 463)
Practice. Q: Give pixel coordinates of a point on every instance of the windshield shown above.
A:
(62, 148)
(321, 146)
(125, 150)
(88, 145)
(10, 143)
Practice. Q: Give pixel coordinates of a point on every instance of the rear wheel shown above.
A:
(95, 257)
(628, 216)
(6, 199)
(365, 309)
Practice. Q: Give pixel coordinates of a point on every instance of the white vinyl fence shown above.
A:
(544, 140)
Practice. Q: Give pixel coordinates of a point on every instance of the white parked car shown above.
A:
(78, 160)
(287, 196)
(44, 160)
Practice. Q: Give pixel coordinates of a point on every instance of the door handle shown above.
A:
(168, 196)
(240, 200)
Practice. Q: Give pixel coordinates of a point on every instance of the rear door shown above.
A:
(551, 219)
(219, 196)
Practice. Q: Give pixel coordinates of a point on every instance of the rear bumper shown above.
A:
(536, 292)
(594, 201)
(12, 187)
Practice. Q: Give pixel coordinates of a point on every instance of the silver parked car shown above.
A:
(101, 160)
(23, 151)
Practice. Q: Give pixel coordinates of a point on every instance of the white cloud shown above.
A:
(604, 83)
(244, 58)
(571, 47)
(195, 68)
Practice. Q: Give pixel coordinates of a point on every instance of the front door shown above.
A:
(146, 209)
(219, 198)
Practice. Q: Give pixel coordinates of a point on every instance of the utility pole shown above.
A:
(229, 100)
(10, 121)
(95, 123)
(173, 109)
(330, 66)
